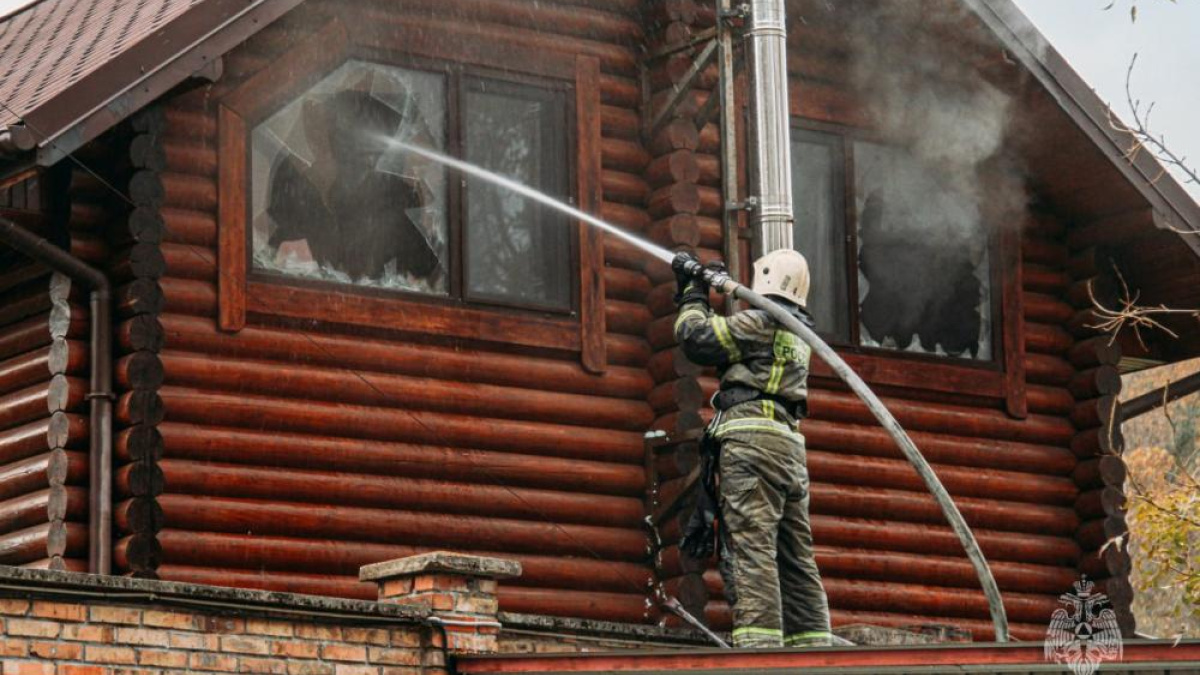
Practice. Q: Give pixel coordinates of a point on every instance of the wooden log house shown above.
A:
(280, 421)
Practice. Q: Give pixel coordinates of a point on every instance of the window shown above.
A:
(333, 200)
(916, 255)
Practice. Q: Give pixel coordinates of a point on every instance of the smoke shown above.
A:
(938, 181)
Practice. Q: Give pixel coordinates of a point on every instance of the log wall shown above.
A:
(288, 456)
(43, 412)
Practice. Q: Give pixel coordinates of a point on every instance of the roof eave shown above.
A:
(190, 45)
(1174, 209)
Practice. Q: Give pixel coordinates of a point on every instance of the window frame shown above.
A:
(245, 295)
(1001, 377)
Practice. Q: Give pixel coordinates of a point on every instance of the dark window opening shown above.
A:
(919, 257)
(333, 200)
(23, 195)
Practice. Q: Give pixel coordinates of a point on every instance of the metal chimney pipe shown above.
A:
(770, 136)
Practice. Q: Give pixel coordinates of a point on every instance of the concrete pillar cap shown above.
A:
(441, 562)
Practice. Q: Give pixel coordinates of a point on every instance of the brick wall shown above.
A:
(69, 624)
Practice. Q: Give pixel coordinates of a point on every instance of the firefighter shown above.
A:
(771, 578)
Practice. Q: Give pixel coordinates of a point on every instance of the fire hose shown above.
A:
(721, 281)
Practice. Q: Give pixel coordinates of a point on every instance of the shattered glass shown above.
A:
(331, 202)
(924, 269)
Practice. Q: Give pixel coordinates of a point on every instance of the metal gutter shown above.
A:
(101, 394)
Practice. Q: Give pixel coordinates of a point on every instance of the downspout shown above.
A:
(770, 199)
(101, 394)
(771, 217)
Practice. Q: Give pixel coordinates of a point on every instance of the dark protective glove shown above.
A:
(689, 285)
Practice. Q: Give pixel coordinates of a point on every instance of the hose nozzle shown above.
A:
(713, 274)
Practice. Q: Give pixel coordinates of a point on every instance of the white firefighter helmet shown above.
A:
(784, 274)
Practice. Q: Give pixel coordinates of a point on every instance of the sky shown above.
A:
(1099, 44)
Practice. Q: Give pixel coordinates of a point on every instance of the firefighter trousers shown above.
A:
(771, 578)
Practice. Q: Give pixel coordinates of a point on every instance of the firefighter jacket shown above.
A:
(751, 351)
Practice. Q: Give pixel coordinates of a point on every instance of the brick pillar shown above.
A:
(459, 589)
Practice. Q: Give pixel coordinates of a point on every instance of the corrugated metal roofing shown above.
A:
(50, 45)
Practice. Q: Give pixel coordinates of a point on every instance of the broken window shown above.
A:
(333, 200)
(918, 254)
(923, 266)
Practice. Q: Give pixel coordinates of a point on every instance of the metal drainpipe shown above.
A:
(100, 396)
(770, 130)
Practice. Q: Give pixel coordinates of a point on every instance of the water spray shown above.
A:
(722, 282)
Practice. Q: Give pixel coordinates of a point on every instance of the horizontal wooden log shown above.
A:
(247, 552)
(1094, 534)
(679, 394)
(1113, 562)
(141, 479)
(139, 406)
(1106, 501)
(1049, 400)
(17, 307)
(140, 443)
(140, 370)
(1099, 441)
(43, 506)
(43, 541)
(142, 260)
(1040, 308)
(1097, 472)
(626, 350)
(619, 122)
(671, 363)
(858, 594)
(389, 492)
(1048, 370)
(25, 370)
(210, 514)
(1046, 339)
(1097, 351)
(138, 516)
(1001, 486)
(938, 571)
(66, 394)
(619, 91)
(54, 468)
(623, 187)
(25, 336)
(1097, 412)
(943, 448)
(1099, 381)
(337, 385)
(963, 420)
(1043, 252)
(1090, 262)
(189, 158)
(1052, 281)
(25, 405)
(676, 167)
(141, 333)
(188, 261)
(391, 424)
(624, 284)
(623, 156)
(141, 296)
(675, 231)
(376, 356)
(257, 448)
(195, 228)
(626, 318)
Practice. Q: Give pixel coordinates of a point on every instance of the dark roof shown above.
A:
(71, 69)
(50, 45)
